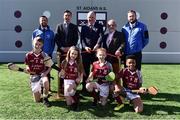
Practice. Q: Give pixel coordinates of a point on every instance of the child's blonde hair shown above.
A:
(78, 59)
(100, 49)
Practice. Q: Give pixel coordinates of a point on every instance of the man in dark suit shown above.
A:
(90, 34)
(113, 42)
(66, 35)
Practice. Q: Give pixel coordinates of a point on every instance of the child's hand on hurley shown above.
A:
(117, 89)
(62, 73)
(78, 80)
(142, 90)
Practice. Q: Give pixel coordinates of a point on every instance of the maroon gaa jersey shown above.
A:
(35, 62)
(131, 79)
(71, 71)
(99, 72)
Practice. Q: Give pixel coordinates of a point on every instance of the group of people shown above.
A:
(101, 54)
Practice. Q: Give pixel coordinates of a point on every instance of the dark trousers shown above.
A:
(138, 57)
(49, 75)
(60, 58)
(49, 79)
(88, 59)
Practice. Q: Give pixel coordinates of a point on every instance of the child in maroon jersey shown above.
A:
(99, 70)
(132, 80)
(38, 71)
(72, 72)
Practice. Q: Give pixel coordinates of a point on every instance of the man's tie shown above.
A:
(66, 29)
(109, 39)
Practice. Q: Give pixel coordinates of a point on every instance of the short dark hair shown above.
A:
(131, 57)
(68, 11)
(132, 11)
(43, 16)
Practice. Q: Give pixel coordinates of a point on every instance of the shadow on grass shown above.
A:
(85, 105)
(160, 110)
(162, 97)
(153, 105)
(98, 111)
(58, 103)
(159, 106)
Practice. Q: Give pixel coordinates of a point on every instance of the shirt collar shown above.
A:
(44, 28)
(104, 62)
(111, 33)
(91, 24)
(132, 72)
(133, 25)
(66, 22)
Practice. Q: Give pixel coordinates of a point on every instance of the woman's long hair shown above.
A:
(78, 59)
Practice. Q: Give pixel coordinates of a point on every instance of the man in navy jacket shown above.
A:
(47, 36)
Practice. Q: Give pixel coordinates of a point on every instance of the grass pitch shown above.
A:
(16, 101)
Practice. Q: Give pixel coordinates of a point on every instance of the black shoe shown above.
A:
(41, 100)
(46, 102)
(74, 106)
(84, 92)
(94, 104)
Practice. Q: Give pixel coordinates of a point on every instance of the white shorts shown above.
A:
(36, 86)
(103, 89)
(66, 86)
(131, 95)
